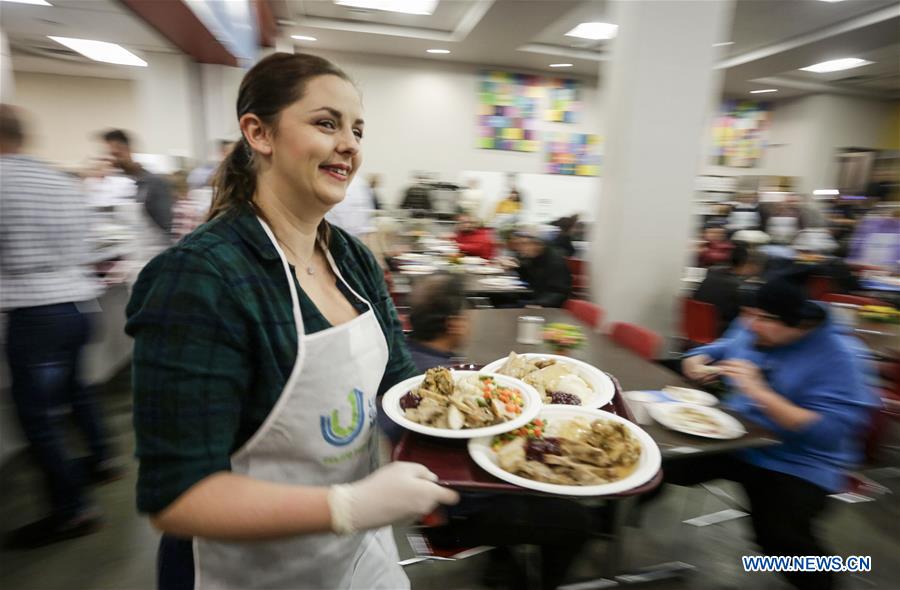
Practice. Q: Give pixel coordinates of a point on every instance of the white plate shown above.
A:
(502, 282)
(648, 465)
(413, 258)
(418, 269)
(690, 396)
(603, 386)
(474, 260)
(391, 403)
(666, 414)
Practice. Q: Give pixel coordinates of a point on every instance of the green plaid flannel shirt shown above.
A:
(215, 342)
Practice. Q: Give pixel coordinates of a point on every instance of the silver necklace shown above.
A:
(309, 269)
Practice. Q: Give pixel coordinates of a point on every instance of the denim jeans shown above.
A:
(43, 347)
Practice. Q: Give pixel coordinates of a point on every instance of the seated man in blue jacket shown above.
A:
(792, 371)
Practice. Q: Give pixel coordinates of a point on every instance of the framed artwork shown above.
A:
(739, 133)
(574, 154)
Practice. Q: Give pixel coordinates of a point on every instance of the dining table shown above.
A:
(494, 336)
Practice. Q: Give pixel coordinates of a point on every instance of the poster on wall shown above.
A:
(563, 102)
(507, 111)
(574, 154)
(739, 133)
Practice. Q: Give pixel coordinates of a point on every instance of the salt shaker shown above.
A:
(530, 330)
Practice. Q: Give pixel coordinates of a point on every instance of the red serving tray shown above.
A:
(449, 459)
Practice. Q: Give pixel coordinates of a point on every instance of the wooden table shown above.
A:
(494, 336)
(881, 338)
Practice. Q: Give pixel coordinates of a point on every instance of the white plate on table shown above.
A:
(603, 386)
(690, 396)
(648, 465)
(473, 260)
(670, 415)
(413, 258)
(502, 282)
(531, 399)
(418, 269)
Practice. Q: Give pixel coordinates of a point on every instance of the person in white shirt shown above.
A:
(48, 288)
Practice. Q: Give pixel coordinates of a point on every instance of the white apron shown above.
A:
(320, 432)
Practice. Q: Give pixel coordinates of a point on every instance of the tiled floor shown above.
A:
(122, 555)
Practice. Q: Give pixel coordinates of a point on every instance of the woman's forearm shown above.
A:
(227, 506)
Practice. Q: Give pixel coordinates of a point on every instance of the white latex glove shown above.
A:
(396, 492)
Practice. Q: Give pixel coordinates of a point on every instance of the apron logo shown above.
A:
(338, 435)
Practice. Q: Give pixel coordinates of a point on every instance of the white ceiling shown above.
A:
(772, 38)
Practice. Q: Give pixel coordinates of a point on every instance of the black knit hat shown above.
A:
(785, 296)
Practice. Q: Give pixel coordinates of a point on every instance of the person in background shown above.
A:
(716, 248)
(437, 315)
(746, 213)
(511, 204)
(187, 213)
(48, 291)
(876, 241)
(471, 199)
(417, 197)
(202, 176)
(563, 240)
(374, 183)
(542, 267)
(772, 361)
(784, 223)
(512, 186)
(261, 344)
(472, 238)
(722, 284)
(153, 191)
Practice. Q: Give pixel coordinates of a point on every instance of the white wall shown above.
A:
(421, 115)
(806, 132)
(66, 112)
(169, 106)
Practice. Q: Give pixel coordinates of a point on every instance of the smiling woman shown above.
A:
(255, 385)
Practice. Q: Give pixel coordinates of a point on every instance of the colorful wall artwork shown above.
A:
(563, 101)
(739, 133)
(576, 154)
(507, 111)
(511, 109)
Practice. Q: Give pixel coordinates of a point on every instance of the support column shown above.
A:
(660, 86)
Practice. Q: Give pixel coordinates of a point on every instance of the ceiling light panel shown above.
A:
(594, 31)
(419, 7)
(836, 65)
(102, 51)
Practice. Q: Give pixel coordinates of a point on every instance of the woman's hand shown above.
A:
(398, 491)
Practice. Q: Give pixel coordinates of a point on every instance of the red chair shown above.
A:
(818, 286)
(585, 311)
(700, 322)
(637, 339)
(578, 269)
(851, 299)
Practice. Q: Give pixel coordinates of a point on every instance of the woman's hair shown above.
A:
(268, 88)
